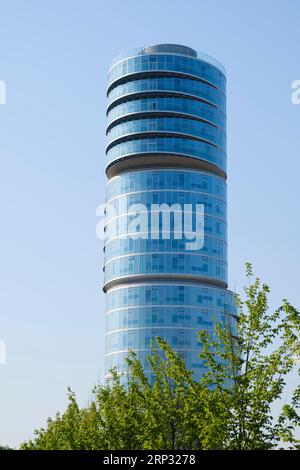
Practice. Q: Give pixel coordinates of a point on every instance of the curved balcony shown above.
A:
(172, 63)
(166, 105)
(166, 85)
(143, 127)
(168, 147)
(173, 179)
(181, 265)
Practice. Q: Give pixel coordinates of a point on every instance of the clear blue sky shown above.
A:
(54, 57)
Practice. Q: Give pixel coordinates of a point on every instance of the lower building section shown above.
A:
(137, 313)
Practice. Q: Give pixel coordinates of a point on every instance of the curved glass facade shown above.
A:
(182, 126)
(170, 146)
(165, 84)
(165, 267)
(178, 64)
(137, 313)
(167, 104)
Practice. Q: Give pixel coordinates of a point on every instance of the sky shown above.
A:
(54, 57)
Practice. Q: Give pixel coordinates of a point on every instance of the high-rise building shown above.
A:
(166, 154)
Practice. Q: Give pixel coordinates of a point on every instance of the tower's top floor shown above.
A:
(174, 49)
(166, 106)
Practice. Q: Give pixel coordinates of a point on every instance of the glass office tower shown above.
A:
(166, 148)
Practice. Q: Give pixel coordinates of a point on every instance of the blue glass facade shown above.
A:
(166, 147)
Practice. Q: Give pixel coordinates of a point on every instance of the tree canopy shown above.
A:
(246, 372)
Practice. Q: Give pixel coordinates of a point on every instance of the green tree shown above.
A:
(179, 413)
(230, 408)
(173, 413)
(250, 369)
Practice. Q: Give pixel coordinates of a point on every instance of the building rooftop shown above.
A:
(169, 49)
